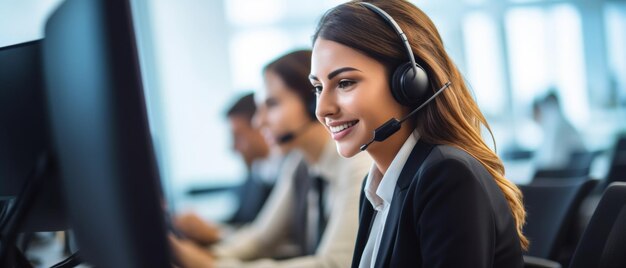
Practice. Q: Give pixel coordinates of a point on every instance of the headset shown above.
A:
(409, 83)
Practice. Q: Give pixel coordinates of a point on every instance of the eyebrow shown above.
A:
(335, 73)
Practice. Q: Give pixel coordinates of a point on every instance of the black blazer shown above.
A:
(447, 211)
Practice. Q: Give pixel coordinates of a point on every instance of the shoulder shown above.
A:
(448, 168)
(345, 174)
(450, 155)
(451, 176)
(292, 161)
(453, 159)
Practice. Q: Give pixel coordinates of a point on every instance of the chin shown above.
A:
(285, 148)
(347, 151)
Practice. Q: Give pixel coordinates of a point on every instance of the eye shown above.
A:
(271, 102)
(344, 84)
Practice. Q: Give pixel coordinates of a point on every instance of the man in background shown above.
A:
(561, 140)
(262, 167)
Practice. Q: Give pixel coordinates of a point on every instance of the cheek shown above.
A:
(280, 121)
(368, 108)
(268, 136)
(243, 142)
(386, 107)
(274, 118)
(356, 107)
(353, 103)
(372, 110)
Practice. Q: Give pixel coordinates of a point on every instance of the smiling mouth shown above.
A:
(340, 128)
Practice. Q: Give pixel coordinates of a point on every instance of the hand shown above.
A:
(196, 229)
(189, 255)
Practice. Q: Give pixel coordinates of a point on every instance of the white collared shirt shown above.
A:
(379, 189)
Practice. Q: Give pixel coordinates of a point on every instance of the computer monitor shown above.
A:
(100, 134)
(24, 139)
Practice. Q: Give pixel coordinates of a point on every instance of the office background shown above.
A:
(199, 55)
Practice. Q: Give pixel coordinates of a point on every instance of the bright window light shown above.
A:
(254, 12)
(483, 58)
(247, 60)
(615, 20)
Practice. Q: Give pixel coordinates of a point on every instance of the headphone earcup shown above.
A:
(409, 89)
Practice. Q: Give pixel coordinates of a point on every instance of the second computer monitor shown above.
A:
(101, 136)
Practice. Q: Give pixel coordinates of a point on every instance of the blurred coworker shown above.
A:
(318, 211)
(262, 167)
(560, 138)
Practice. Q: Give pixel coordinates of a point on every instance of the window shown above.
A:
(615, 20)
(484, 62)
(511, 52)
(545, 53)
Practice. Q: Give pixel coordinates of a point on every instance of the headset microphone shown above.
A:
(393, 125)
(291, 135)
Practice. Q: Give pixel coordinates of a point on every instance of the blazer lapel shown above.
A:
(413, 163)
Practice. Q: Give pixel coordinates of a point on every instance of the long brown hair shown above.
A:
(454, 118)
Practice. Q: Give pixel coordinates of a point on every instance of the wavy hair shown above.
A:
(454, 117)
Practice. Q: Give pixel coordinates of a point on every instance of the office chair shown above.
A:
(551, 211)
(534, 262)
(251, 195)
(603, 244)
(617, 171)
(578, 166)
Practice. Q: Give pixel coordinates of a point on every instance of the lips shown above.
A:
(342, 127)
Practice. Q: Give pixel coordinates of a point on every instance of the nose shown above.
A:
(234, 142)
(326, 106)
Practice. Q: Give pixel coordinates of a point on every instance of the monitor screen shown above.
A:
(100, 134)
(24, 138)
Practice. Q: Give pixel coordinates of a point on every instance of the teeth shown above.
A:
(342, 127)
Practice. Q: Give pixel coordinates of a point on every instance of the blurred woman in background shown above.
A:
(318, 211)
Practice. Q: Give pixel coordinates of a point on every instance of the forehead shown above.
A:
(239, 120)
(330, 55)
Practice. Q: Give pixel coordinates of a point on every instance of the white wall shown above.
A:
(23, 20)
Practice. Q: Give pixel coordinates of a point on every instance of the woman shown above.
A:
(436, 195)
(319, 211)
